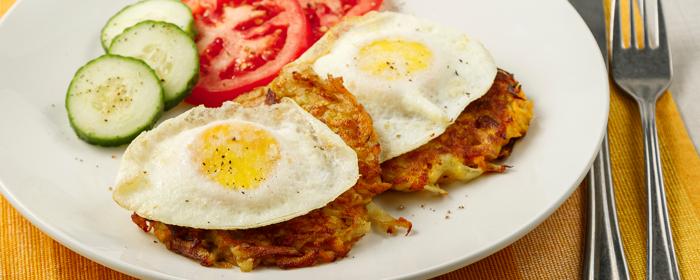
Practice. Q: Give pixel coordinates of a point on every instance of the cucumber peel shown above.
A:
(173, 11)
(168, 50)
(112, 99)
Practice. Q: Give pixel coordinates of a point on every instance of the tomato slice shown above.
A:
(243, 44)
(323, 14)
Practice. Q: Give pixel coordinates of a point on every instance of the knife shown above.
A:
(604, 256)
(593, 13)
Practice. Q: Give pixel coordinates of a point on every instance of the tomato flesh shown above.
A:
(244, 44)
(323, 14)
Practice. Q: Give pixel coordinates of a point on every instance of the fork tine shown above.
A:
(633, 30)
(662, 42)
(616, 41)
(642, 4)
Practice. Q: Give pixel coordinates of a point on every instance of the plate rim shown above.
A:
(444, 268)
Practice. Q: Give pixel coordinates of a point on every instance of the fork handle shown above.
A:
(661, 256)
(604, 256)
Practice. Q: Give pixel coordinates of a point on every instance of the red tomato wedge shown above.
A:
(243, 44)
(323, 14)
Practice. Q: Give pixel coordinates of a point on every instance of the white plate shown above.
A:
(60, 184)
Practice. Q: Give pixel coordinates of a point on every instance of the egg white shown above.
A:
(159, 180)
(417, 106)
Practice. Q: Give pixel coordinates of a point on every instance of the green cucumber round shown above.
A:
(172, 11)
(112, 99)
(168, 50)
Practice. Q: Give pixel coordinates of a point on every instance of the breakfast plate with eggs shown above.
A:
(414, 67)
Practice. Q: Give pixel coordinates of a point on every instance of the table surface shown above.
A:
(683, 27)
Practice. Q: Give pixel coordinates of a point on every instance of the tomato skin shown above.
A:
(364, 7)
(239, 52)
(323, 14)
(202, 95)
(199, 6)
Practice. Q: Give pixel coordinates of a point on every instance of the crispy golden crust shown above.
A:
(332, 104)
(484, 131)
(325, 234)
(303, 241)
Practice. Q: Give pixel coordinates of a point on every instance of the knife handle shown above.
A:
(604, 256)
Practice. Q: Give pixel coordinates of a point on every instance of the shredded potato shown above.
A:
(325, 234)
(484, 131)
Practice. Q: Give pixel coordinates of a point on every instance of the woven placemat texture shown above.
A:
(553, 250)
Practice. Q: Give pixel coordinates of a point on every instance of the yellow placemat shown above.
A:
(554, 250)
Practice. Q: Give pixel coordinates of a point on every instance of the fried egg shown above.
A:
(235, 168)
(413, 76)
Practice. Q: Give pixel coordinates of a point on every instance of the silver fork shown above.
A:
(645, 74)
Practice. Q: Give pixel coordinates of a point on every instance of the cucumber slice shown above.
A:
(172, 11)
(112, 99)
(168, 50)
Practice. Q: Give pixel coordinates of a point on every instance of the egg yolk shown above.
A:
(237, 155)
(395, 59)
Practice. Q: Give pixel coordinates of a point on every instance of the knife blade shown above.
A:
(604, 255)
(593, 14)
